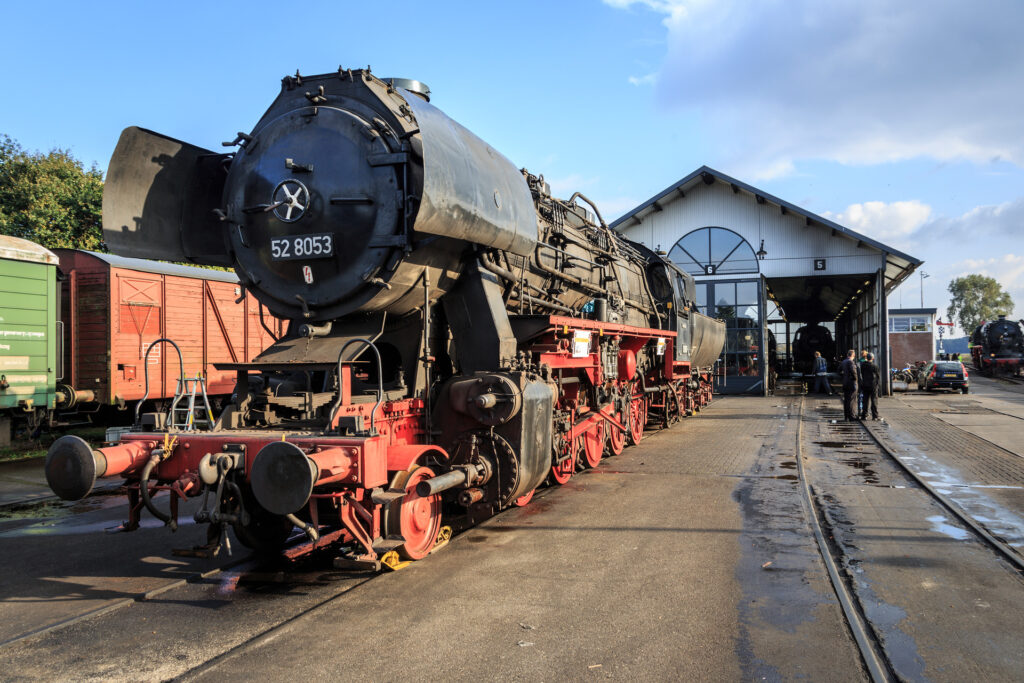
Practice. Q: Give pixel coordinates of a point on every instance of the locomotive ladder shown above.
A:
(186, 417)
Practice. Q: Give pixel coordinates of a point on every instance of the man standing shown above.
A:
(849, 373)
(861, 405)
(869, 387)
(821, 385)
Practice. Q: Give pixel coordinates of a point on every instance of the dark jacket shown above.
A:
(868, 375)
(848, 368)
(820, 366)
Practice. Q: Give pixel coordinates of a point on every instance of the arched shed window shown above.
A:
(714, 251)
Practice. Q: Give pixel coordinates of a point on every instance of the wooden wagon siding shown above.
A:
(116, 308)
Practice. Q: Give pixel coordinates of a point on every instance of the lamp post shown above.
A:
(923, 276)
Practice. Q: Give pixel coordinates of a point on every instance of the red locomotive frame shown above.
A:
(374, 478)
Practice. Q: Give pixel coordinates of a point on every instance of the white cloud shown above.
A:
(649, 79)
(892, 223)
(1007, 270)
(982, 223)
(855, 81)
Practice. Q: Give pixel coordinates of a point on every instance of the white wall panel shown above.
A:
(791, 244)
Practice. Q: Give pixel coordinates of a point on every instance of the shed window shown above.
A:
(899, 324)
(920, 325)
(714, 251)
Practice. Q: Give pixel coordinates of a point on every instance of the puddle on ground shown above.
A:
(832, 444)
(863, 468)
(51, 509)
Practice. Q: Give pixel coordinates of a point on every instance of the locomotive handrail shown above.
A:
(145, 365)
(380, 383)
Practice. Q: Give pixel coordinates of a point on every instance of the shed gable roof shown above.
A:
(899, 265)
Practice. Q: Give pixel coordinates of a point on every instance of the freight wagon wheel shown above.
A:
(593, 444)
(417, 519)
(522, 501)
(637, 420)
(616, 436)
(562, 471)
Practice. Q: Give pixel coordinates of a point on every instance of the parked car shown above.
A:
(944, 374)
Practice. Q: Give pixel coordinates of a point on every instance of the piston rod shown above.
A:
(429, 487)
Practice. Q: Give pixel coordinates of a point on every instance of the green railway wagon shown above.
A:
(29, 335)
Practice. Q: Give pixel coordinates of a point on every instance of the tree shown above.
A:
(975, 299)
(49, 198)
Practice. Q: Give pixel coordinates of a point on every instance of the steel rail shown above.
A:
(117, 604)
(1001, 548)
(876, 665)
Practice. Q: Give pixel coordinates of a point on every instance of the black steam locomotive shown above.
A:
(458, 336)
(808, 339)
(997, 346)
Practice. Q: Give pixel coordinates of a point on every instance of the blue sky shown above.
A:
(900, 120)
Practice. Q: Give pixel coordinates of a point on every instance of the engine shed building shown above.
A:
(769, 268)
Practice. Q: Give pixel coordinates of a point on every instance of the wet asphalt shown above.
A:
(689, 556)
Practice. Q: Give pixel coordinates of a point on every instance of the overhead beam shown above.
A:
(759, 198)
(735, 188)
(657, 207)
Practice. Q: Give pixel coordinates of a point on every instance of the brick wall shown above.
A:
(910, 347)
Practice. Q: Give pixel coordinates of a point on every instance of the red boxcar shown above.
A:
(114, 308)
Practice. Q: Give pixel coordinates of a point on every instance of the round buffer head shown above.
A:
(70, 467)
(282, 478)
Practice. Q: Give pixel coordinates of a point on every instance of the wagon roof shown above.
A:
(17, 249)
(159, 267)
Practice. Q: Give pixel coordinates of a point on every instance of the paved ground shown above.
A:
(688, 557)
(941, 604)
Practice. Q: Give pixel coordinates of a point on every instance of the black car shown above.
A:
(943, 374)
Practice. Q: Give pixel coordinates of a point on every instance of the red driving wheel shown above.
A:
(616, 436)
(562, 471)
(637, 419)
(593, 444)
(418, 519)
(521, 501)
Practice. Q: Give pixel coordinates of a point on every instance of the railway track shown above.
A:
(121, 603)
(870, 643)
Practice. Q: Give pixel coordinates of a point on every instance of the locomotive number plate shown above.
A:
(302, 247)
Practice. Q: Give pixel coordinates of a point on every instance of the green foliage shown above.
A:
(975, 299)
(49, 198)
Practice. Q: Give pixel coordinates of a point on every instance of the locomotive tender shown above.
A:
(458, 336)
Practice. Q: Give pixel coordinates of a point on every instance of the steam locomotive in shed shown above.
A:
(997, 346)
(457, 335)
(808, 339)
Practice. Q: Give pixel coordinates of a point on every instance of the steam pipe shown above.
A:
(596, 212)
(526, 298)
